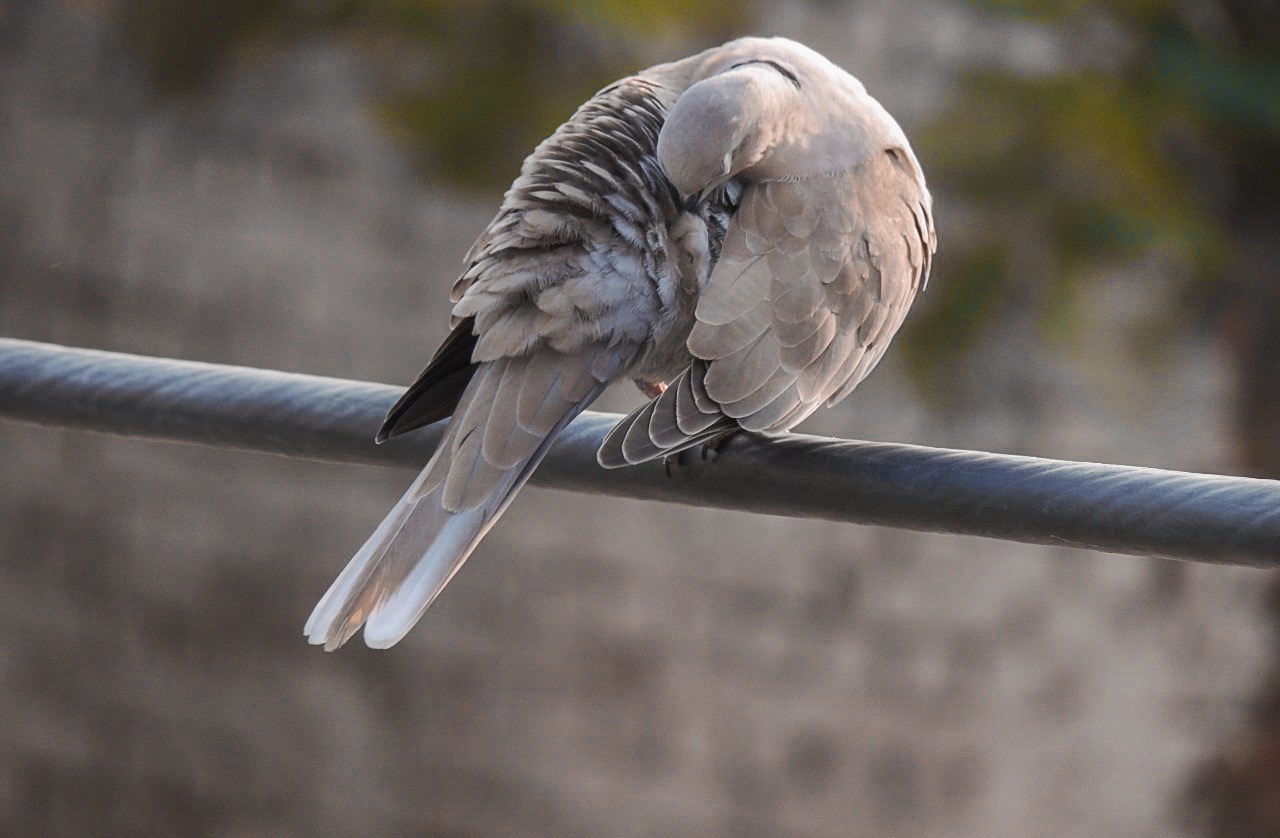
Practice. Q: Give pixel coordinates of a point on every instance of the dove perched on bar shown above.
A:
(740, 233)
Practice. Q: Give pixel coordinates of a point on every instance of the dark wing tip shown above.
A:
(435, 394)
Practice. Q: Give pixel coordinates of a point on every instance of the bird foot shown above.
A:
(710, 450)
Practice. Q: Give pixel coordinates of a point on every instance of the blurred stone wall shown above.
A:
(600, 667)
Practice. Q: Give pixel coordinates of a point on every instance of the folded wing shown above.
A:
(815, 277)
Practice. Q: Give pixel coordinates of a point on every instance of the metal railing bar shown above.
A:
(1123, 509)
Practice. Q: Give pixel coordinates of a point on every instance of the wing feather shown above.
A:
(777, 411)
(733, 336)
(664, 421)
(815, 276)
(436, 392)
(741, 372)
(736, 292)
(798, 356)
(694, 413)
(772, 388)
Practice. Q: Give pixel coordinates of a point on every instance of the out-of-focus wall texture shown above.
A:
(295, 190)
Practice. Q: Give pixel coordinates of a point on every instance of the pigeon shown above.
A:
(740, 233)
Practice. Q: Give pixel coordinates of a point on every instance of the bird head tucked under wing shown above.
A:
(765, 109)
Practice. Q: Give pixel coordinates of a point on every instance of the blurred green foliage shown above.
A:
(470, 87)
(1062, 176)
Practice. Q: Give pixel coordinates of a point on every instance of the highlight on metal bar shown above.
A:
(1144, 511)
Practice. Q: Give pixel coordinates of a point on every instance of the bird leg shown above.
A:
(652, 389)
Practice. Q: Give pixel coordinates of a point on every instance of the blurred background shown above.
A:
(292, 185)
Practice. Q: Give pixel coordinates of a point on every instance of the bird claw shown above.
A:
(675, 459)
(710, 451)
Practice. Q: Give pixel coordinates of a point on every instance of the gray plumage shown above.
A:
(740, 233)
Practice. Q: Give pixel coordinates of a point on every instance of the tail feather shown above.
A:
(339, 613)
(416, 551)
(455, 538)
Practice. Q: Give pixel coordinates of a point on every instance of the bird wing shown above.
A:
(815, 277)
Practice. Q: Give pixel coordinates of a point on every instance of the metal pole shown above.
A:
(1209, 518)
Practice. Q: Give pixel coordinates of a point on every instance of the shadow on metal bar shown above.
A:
(1143, 511)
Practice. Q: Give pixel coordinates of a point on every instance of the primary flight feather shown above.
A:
(740, 232)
